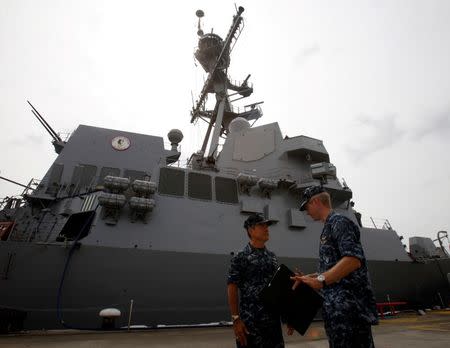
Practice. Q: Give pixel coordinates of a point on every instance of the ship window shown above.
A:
(77, 224)
(226, 190)
(199, 186)
(171, 182)
(136, 175)
(105, 171)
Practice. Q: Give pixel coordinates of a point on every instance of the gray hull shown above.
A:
(167, 287)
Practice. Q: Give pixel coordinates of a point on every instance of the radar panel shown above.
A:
(171, 182)
(199, 186)
(226, 190)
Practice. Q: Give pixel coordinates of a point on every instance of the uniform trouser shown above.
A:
(348, 336)
(264, 337)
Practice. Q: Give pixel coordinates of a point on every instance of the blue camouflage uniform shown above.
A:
(349, 307)
(251, 270)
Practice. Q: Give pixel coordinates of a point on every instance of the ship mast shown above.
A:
(213, 54)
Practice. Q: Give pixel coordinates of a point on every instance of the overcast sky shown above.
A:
(369, 78)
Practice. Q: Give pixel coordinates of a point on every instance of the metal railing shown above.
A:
(32, 185)
(378, 223)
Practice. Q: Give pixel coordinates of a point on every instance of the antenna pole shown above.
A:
(13, 182)
(43, 124)
(208, 133)
(218, 122)
(43, 121)
(237, 20)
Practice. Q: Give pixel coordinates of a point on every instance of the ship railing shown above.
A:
(239, 83)
(64, 136)
(32, 185)
(235, 109)
(240, 110)
(11, 202)
(378, 223)
(180, 163)
(4, 201)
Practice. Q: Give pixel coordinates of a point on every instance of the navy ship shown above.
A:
(117, 222)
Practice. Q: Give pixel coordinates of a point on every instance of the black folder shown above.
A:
(296, 307)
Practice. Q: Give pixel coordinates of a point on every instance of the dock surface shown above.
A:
(404, 330)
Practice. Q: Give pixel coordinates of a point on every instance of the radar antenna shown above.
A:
(213, 54)
(199, 14)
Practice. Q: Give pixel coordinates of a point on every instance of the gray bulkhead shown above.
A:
(91, 146)
(186, 223)
(74, 181)
(262, 151)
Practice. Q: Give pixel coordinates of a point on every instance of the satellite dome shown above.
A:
(238, 125)
(175, 136)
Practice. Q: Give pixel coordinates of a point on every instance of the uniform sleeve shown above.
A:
(235, 272)
(346, 234)
(275, 261)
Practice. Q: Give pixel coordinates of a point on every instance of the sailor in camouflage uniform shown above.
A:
(349, 307)
(250, 271)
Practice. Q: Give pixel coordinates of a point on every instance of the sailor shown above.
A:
(349, 307)
(250, 271)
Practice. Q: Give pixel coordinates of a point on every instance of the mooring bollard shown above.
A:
(109, 316)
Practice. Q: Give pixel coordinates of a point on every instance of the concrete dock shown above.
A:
(404, 330)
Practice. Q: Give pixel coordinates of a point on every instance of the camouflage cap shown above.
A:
(308, 193)
(256, 219)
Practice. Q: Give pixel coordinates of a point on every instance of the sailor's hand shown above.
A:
(298, 280)
(240, 331)
(296, 277)
(312, 282)
(298, 272)
(290, 330)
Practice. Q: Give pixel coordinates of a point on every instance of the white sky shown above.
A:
(369, 78)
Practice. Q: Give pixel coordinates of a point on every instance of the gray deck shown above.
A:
(405, 330)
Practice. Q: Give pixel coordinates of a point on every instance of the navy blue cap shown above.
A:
(309, 193)
(256, 219)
